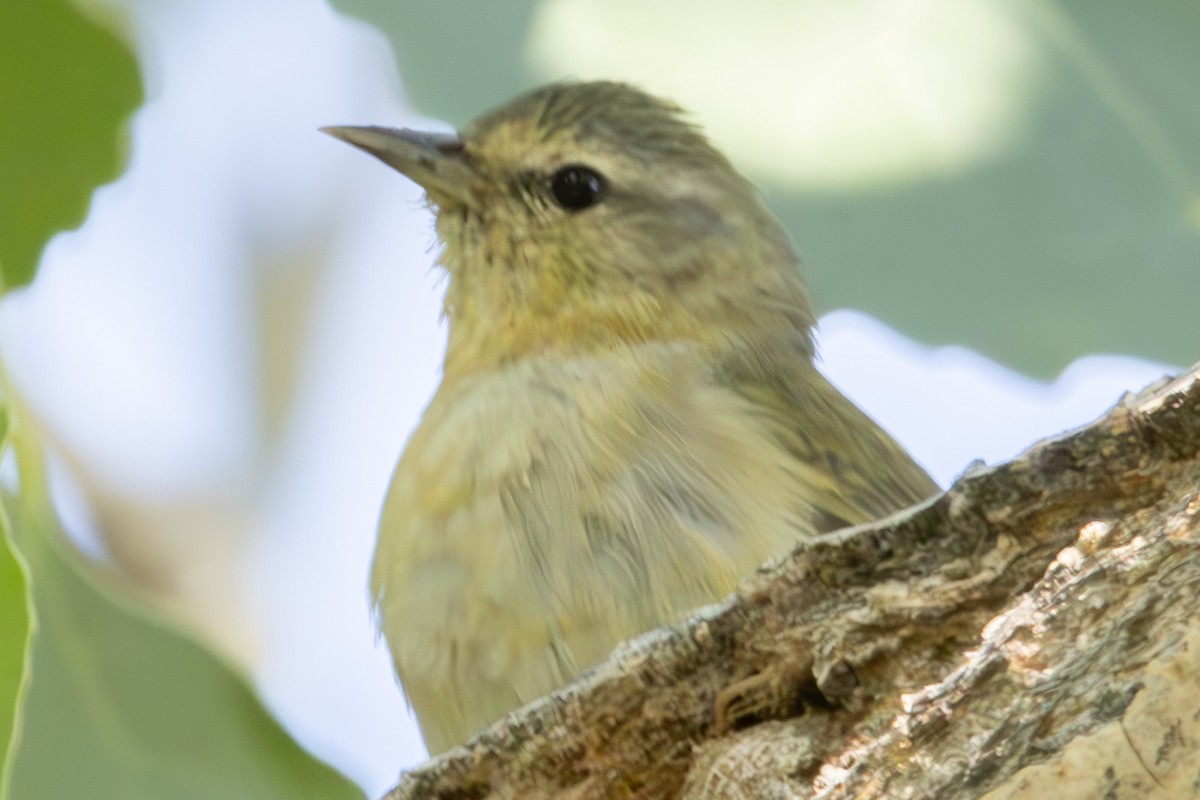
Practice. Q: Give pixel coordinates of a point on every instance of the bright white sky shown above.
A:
(140, 348)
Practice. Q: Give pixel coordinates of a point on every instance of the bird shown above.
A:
(630, 418)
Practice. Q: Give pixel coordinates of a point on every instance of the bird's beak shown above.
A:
(435, 161)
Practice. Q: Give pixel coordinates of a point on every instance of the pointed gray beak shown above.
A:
(434, 161)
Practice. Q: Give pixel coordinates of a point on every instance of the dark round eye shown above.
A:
(576, 187)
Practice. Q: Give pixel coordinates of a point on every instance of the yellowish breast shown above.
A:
(547, 510)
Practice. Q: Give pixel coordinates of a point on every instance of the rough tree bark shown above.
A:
(1032, 632)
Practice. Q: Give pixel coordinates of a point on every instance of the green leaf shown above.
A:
(123, 705)
(66, 88)
(456, 57)
(16, 627)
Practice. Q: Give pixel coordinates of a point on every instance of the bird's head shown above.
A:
(593, 215)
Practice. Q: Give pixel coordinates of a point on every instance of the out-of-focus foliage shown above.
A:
(456, 57)
(1078, 233)
(1083, 237)
(99, 696)
(120, 703)
(67, 86)
(15, 627)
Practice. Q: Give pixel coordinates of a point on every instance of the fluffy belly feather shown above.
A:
(544, 512)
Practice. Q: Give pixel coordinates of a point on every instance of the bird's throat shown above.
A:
(483, 337)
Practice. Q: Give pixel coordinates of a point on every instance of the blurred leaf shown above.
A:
(456, 57)
(1084, 237)
(122, 705)
(1081, 235)
(15, 630)
(66, 88)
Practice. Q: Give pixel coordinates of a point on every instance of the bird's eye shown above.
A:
(576, 187)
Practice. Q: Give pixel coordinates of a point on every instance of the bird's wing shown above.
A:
(857, 471)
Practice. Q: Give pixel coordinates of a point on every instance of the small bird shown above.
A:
(629, 418)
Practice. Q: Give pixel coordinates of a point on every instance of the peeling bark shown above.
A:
(1035, 629)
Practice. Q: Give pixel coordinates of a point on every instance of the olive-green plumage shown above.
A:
(629, 419)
